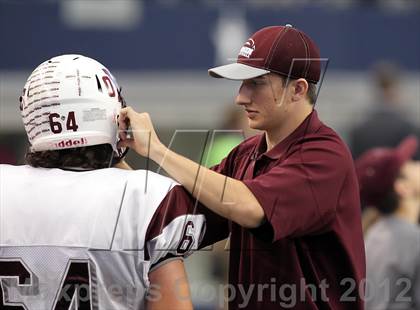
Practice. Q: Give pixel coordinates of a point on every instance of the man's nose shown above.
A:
(244, 95)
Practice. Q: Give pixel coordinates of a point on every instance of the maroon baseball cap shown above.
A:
(378, 168)
(281, 49)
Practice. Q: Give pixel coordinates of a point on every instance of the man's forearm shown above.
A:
(225, 196)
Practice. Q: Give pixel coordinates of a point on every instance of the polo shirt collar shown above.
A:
(309, 125)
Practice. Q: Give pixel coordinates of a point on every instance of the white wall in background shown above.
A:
(101, 14)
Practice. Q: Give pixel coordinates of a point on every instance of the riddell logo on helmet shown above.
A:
(248, 48)
(71, 143)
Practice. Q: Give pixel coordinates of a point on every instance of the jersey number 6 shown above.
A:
(187, 240)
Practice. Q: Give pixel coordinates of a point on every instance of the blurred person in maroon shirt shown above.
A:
(289, 196)
(390, 182)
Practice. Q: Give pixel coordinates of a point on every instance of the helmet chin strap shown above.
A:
(120, 153)
(117, 156)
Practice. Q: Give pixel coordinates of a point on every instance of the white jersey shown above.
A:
(87, 240)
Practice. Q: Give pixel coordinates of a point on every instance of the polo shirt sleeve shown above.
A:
(222, 167)
(299, 196)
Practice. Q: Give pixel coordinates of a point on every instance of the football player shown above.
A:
(76, 232)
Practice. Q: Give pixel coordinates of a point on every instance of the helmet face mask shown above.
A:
(71, 101)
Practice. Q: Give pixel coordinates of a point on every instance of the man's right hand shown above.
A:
(143, 138)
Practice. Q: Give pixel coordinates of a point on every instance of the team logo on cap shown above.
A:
(247, 49)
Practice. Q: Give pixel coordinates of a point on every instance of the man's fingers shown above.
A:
(123, 123)
(125, 114)
(125, 111)
(126, 143)
(122, 133)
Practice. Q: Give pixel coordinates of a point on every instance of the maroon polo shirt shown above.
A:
(309, 254)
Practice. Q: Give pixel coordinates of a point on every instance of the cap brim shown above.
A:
(236, 71)
(407, 148)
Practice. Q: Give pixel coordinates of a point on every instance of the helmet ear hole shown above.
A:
(20, 103)
(98, 83)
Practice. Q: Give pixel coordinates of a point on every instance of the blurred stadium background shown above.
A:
(160, 51)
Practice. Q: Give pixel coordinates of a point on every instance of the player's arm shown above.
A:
(225, 196)
(169, 287)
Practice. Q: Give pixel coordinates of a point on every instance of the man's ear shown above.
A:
(299, 89)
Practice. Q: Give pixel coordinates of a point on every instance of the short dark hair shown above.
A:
(391, 201)
(312, 93)
(312, 90)
(89, 157)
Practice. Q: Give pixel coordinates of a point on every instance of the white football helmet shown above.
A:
(71, 101)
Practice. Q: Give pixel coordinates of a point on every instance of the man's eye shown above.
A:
(257, 82)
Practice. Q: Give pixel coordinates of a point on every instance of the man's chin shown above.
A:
(254, 125)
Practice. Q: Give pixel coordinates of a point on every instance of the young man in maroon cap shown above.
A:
(390, 181)
(290, 195)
